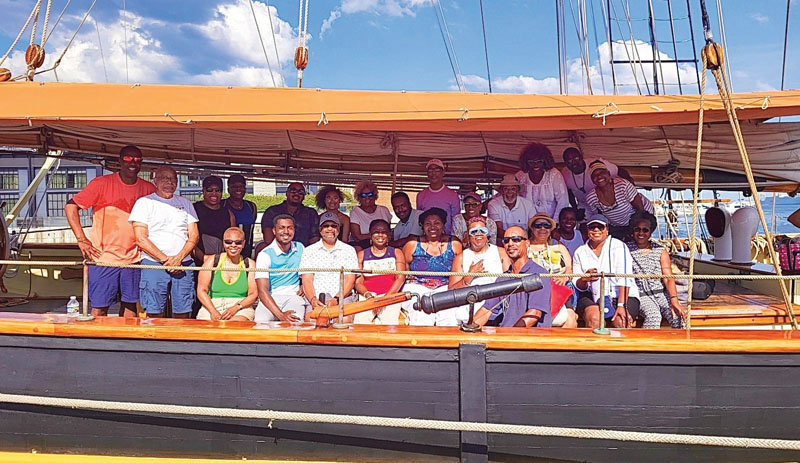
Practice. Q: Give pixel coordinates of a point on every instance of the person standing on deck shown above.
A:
(165, 227)
(213, 220)
(519, 309)
(111, 198)
(408, 227)
(509, 208)
(540, 182)
(361, 216)
(305, 218)
(243, 211)
(329, 253)
(579, 182)
(438, 194)
(279, 293)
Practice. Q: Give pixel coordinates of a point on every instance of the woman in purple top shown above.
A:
(434, 251)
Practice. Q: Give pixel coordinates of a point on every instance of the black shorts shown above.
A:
(586, 300)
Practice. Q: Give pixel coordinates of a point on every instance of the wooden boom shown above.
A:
(352, 308)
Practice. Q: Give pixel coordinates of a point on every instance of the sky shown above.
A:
(399, 44)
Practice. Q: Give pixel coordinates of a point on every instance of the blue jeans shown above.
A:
(155, 285)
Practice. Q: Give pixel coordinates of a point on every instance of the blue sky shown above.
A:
(397, 44)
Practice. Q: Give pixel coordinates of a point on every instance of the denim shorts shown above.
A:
(155, 285)
(106, 283)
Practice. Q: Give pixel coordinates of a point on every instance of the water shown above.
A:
(73, 307)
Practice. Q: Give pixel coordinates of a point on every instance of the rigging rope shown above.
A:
(485, 48)
(274, 41)
(696, 190)
(46, 20)
(270, 416)
(301, 53)
(36, 9)
(674, 47)
(100, 45)
(19, 36)
(58, 20)
(261, 40)
(447, 38)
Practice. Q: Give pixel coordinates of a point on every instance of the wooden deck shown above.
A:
(732, 305)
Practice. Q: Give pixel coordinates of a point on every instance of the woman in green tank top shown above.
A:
(227, 293)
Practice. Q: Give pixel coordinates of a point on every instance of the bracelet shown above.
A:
(673, 297)
(620, 304)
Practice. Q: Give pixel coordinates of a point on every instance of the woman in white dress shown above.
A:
(361, 216)
(541, 182)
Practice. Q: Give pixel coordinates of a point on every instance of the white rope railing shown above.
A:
(270, 416)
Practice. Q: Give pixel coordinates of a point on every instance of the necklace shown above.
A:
(583, 181)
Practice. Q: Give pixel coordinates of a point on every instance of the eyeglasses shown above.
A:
(368, 194)
(540, 225)
(233, 242)
(535, 161)
(167, 179)
(298, 191)
(641, 230)
(128, 158)
(471, 204)
(596, 226)
(329, 225)
(478, 231)
(435, 168)
(213, 190)
(516, 239)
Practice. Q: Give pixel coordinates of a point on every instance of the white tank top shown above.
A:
(491, 263)
(574, 243)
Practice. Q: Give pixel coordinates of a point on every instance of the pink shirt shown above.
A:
(444, 198)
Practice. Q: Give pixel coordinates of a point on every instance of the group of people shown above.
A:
(542, 222)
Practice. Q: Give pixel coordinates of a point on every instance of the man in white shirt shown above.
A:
(279, 295)
(509, 208)
(166, 231)
(579, 182)
(408, 227)
(329, 253)
(606, 254)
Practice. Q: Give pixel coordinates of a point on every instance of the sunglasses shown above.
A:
(298, 191)
(128, 158)
(213, 190)
(472, 204)
(233, 242)
(329, 225)
(596, 226)
(540, 225)
(516, 239)
(370, 194)
(641, 230)
(477, 231)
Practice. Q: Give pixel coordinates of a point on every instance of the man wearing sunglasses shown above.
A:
(519, 309)
(306, 219)
(438, 194)
(111, 198)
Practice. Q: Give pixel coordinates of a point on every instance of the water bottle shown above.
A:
(73, 307)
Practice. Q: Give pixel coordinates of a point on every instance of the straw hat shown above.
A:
(509, 180)
(541, 216)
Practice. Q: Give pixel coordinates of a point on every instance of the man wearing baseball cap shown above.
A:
(328, 253)
(438, 194)
(509, 208)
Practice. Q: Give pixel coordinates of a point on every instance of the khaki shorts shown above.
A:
(222, 304)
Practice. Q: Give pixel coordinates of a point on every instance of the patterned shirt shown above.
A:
(318, 256)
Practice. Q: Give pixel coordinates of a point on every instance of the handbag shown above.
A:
(788, 250)
(559, 295)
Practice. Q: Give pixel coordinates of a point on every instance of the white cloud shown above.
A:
(231, 30)
(759, 18)
(378, 7)
(627, 76)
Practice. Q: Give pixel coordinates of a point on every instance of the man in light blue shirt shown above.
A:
(278, 292)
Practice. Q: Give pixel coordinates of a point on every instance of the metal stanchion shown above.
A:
(340, 324)
(602, 329)
(85, 316)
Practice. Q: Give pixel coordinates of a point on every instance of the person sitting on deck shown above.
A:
(614, 198)
(657, 297)
(361, 216)
(472, 210)
(509, 208)
(244, 211)
(228, 292)
(521, 308)
(438, 194)
(434, 251)
(111, 198)
(579, 182)
(165, 226)
(408, 226)
(328, 253)
(541, 183)
(481, 256)
(555, 258)
(279, 293)
(566, 231)
(329, 199)
(212, 220)
(380, 256)
(603, 253)
(306, 220)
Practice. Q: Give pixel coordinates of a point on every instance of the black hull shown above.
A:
(749, 395)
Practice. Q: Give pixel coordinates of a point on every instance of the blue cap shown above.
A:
(329, 217)
(598, 218)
